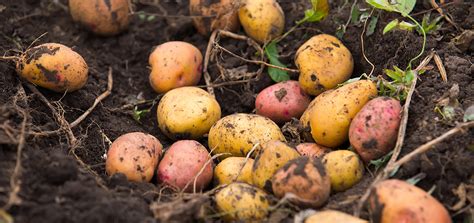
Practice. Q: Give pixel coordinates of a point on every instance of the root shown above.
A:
(362, 43)
(245, 161)
(207, 76)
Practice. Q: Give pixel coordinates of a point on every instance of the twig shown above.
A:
(207, 76)
(442, 70)
(440, 11)
(362, 43)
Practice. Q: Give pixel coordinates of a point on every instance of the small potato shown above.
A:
(233, 169)
(312, 150)
(242, 202)
(134, 154)
(53, 66)
(238, 133)
(324, 62)
(224, 14)
(181, 165)
(282, 101)
(187, 113)
(393, 201)
(304, 120)
(174, 64)
(272, 155)
(306, 179)
(333, 112)
(373, 131)
(344, 168)
(262, 20)
(103, 17)
(332, 216)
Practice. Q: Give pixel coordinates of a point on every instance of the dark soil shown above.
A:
(57, 188)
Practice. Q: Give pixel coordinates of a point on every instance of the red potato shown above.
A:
(373, 131)
(134, 154)
(181, 165)
(282, 101)
(312, 150)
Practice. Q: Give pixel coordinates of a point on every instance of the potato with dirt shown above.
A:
(394, 200)
(212, 15)
(237, 134)
(174, 64)
(53, 66)
(135, 155)
(324, 62)
(305, 117)
(234, 169)
(332, 216)
(263, 20)
(282, 101)
(103, 17)
(187, 113)
(312, 150)
(373, 131)
(186, 163)
(345, 169)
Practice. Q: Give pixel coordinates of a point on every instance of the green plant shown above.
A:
(138, 114)
(399, 86)
(378, 163)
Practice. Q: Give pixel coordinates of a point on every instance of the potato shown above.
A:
(263, 20)
(134, 154)
(242, 202)
(306, 179)
(224, 12)
(174, 64)
(53, 66)
(103, 17)
(373, 132)
(233, 169)
(273, 155)
(344, 168)
(324, 62)
(332, 216)
(181, 165)
(282, 101)
(238, 133)
(332, 113)
(393, 201)
(187, 113)
(312, 150)
(304, 120)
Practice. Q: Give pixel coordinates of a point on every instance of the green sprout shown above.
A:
(139, 114)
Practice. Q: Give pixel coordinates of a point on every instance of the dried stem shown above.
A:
(207, 76)
(362, 44)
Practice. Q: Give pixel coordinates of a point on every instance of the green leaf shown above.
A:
(406, 26)
(469, 114)
(372, 25)
(393, 74)
(340, 31)
(277, 75)
(150, 18)
(391, 25)
(381, 4)
(409, 76)
(355, 14)
(405, 6)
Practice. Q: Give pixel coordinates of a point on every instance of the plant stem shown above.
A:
(424, 42)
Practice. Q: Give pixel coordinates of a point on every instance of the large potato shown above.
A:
(103, 17)
(238, 133)
(273, 155)
(282, 101)
(242, 202)
(333, 112)
(306, 179)
(332, 216)
(312, 150)
(262, 20)
(233, 169)
(373, 132)
(135, 155)
(53, 66)
(212, 15)
(394, 201)
(181, 165)
(305, 117)
(187, 113)
(174, 64)
(344, 168)
(324, 62)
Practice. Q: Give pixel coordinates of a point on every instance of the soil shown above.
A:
(55, 187)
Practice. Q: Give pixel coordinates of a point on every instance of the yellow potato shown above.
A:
(332, 113)
(344, 168)
(187, 113)
(304, 120)
(238, 133)
(262, 20)
(224, 14)
(332, 216)
(227, 171)
(273, 155)
(53, 66)
(242, 202)
(324, 62)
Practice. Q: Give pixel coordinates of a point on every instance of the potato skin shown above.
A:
(242, 202)
(181, 164)
(262, 20)
(312, 150)
(332, 216)
(373, 131)
(187, 113)
(344, 168)
(306, 178)
(103, 17)
(53, 66)
(393, 201)
(228, 170)
(225, 12)
(324, 62)
(282, 101)
(174, 64)
(238, 133)
(333, 112)
(134, 154)
(305, 117)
